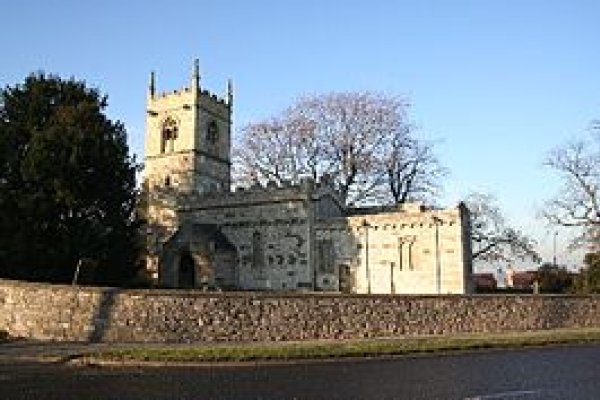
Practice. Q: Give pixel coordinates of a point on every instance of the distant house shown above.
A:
(523, 279)
(484, 282)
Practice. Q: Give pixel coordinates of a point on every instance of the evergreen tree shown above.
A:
(67, 184)
(554, 279)
(588, 280)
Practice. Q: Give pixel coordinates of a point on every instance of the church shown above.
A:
(202, 233)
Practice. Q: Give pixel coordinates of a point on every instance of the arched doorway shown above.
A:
(187, 271)
(199, 256)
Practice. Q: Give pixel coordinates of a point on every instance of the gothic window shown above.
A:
(212, 132)
(405, 254)
(168, 135)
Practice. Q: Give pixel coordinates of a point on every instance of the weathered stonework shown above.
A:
(58, 312)
(289, 237)
(406, 250)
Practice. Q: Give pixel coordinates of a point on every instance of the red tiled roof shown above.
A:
(485, 280)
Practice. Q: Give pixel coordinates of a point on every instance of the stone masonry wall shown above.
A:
(103, 314)
(407, 250)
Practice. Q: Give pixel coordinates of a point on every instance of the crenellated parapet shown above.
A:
(270, 192)
(411, 214)
(194, 91)
(188, 92)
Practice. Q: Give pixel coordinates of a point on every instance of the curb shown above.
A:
(89, 361)
(81, 356)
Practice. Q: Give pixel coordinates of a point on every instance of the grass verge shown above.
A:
(340, 349)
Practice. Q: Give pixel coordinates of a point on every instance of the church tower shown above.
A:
(187, 152)
(188, 138)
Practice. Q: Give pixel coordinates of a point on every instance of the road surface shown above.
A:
(571, 372)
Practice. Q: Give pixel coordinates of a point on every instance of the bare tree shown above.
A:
(357, 138)
(577, 204)
(266, 153)
(492, 238)
(413, 171)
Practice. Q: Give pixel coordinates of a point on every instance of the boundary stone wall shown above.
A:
(60, 312)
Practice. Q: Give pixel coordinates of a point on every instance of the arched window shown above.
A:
(212, 132)
(168, 135)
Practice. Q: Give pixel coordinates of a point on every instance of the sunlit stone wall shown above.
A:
(102, 314)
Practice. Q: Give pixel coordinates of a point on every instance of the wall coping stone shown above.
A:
(187, 293)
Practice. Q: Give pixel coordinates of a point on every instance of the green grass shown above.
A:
(340, 349)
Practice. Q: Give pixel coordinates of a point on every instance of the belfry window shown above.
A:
(212, 132)
(168, 135)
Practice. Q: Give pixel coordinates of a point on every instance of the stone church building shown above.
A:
(200, 233)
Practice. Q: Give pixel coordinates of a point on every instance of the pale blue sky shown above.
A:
(497, 83)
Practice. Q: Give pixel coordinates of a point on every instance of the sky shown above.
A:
(495, 83)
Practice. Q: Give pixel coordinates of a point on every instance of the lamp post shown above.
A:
(438, 266)
(366, 225)
(554, 250)
(392, 286)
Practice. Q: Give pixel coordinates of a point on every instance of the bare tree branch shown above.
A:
(362, 140)
(492, 239)
(414, 172)
(577, 204)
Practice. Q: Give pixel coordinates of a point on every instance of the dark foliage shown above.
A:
(67, 184)
(588, 280)
(554, 279)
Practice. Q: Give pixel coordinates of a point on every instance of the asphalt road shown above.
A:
(549, 373)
